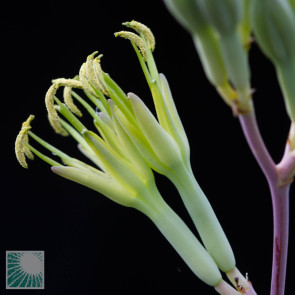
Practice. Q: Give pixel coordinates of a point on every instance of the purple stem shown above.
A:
(257, 146)
(280, 201)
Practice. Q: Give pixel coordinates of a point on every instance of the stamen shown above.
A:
(56, 126)
(20, 151)
(69, 101)
(49, 101)
(83, 78)
(144, 30)
(27, 151)
(94, 73)
(67, 82)
(136, 40)
(99, 74)
(53, 116)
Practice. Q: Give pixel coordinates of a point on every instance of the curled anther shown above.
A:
(99, 74)
(84, 81)
(22, 151)
(67, 82)
(56, 126)
(69, 101)
(136, 40)
(144, 30)
(93, 74)
(49, 101)
(53, 116)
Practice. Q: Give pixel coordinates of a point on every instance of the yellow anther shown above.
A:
(144, 30)
(90, 74)
(99, 75)
(26, 150)
(67, 82)
(83, 79)
(69, 101)
(52, 113)
(56, 126)
(49, 101)
(136, 40)
(20, 150)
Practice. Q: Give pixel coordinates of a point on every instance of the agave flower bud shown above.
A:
(292, 3)
(163, 144)
(244, 27)
(224, 16)
(274, 28)
(188, 14)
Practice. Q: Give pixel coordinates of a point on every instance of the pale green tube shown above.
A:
(205, 220)
(185, 243)
(210, 56)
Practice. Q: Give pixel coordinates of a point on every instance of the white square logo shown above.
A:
(25, 270)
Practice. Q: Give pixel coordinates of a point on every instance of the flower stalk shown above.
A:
(279, 194)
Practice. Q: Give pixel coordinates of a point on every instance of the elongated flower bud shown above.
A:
(161, 142)
(274, 28)
(273, 24)
(188, 14)
(224, 15)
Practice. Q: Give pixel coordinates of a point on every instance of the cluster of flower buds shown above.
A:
(221, 33)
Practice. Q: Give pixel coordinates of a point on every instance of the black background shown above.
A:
(92, 245)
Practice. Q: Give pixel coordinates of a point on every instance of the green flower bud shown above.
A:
(224, 15)
(244, 27)
(188, 15)
(273, 23)
(274, 28)
(206, 41)
(292, 3)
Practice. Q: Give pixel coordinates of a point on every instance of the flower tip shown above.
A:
(111, 102)
(54, 169)
(132, 96)
(92, 55)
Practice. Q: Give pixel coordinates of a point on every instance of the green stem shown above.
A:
(69, 116)
(42, 156)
